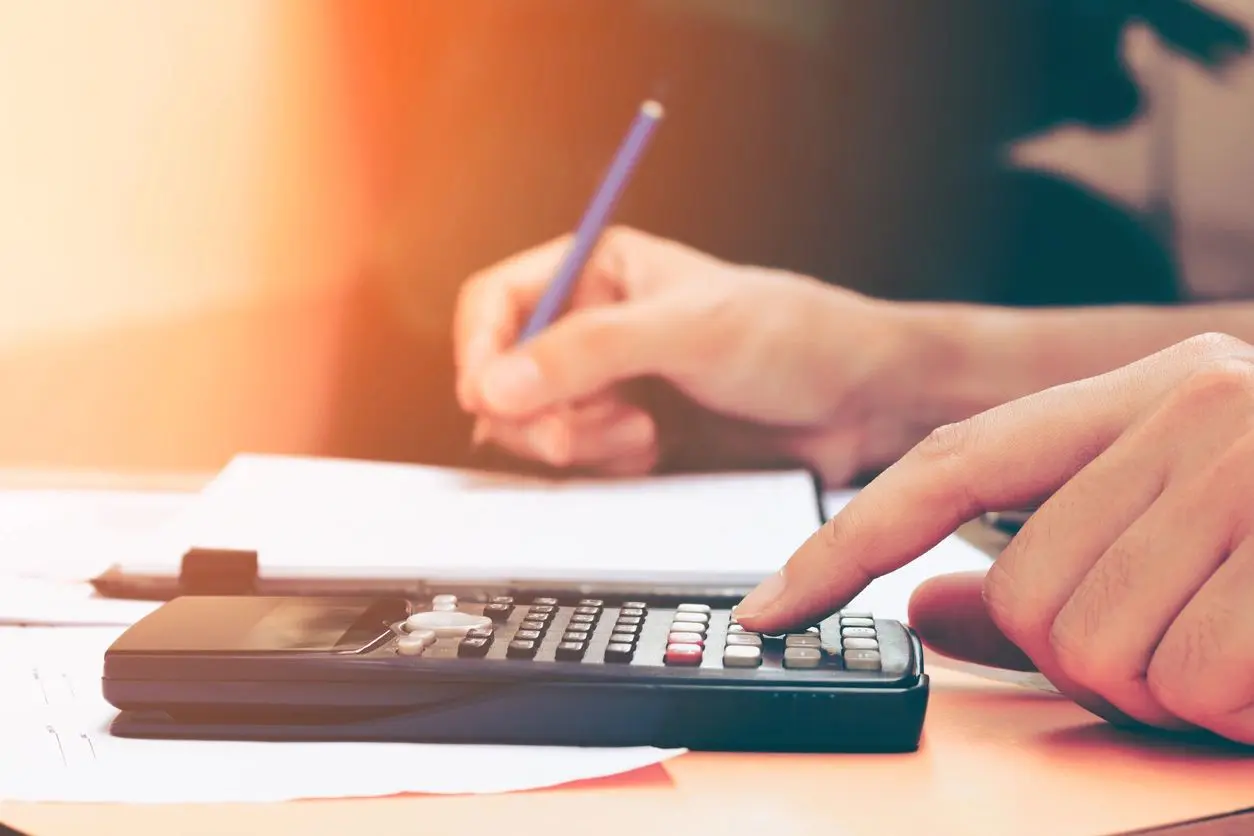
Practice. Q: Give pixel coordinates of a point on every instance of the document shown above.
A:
(330, 518)
(57, 747)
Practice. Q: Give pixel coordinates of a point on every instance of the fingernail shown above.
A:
(511, 383)
(635, 431)
(552, 441)
(761, 598)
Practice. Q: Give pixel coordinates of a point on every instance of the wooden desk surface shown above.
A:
(995, 759)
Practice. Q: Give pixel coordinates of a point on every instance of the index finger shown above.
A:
(492, 303)
(1008, 457)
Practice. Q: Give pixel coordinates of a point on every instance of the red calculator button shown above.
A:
(683, 654)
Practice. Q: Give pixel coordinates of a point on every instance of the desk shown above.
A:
(996, 759)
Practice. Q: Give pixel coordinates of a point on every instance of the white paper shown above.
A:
(56, 747)
(335, 518)
(34, 602)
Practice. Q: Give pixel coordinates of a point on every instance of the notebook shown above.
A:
(302, 525)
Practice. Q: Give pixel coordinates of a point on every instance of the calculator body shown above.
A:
(583, 673)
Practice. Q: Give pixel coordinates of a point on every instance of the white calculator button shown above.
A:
(444, 603)
(802, 657)
(446, 624)
(860, 644)
(411, 645)
(705, 608)
(690, 618)
(742, 656)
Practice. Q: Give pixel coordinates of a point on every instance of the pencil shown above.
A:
(589, 232)
(595, 219)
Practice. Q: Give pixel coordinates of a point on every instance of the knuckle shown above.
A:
(1080, 659)
(1008, 608)
(1190, 674)
(1214, 344)
(945, 443)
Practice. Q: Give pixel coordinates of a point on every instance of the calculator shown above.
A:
(506, 670)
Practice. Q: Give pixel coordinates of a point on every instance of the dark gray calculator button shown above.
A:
(473, 647)
(574, 636)
(631, 612)
(531, 624)
(857, 632)
(635, 605)
(588, 610)
(502, 599)
(801, 640)
(570, 651)
(480, 633)
(521, 649)
(802, 657)
(543, 608)
(618, 652)
(591, 602)
(857, 622)
(579, 618)
(528, 635)
(862, 660)
(743, 640)
(545, 602)
(498, 612)
(623, 638)
(627, 627)
(631, 620)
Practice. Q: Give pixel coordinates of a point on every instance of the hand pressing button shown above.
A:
(445, 624)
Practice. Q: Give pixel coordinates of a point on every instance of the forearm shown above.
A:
(969, 358)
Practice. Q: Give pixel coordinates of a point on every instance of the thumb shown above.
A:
(579, 356)
(949, 614)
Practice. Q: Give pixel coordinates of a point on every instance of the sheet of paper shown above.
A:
(35, 602)
(57, 747)
(335, 518)
(74, 534)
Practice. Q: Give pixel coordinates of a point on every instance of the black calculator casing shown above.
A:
(370, 693)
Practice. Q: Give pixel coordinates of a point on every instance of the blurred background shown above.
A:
(241, 225)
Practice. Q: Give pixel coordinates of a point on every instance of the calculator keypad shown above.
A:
(685, 636)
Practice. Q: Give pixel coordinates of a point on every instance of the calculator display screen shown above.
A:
(259, 625)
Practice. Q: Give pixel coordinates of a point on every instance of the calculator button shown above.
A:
(446, 623)
(521, 649)
(705, 608)
(854, 614)
(689, 627)
(579, 618)
(473, 648)
(570, 651)
(588, 610)
(574, 636)
(685, 638)
(498, 612)
(529, 635)
(860, 644)
(529, 624)
(618, 652)
(444, 603)
(480, 633)
(545, 602)
(857, 632)
(683, 654)
(742, 656)
(630, 620)
(413, 644)
(862, 660)
(631, 625)
(735, 628)
(591, 602)
(623, 638)
(631, 612)
(744, 640)
(802, 657)
(502, 599)
(635, 605)
(801, 640)
(857, 622)
(691, 618)
(542, 609)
